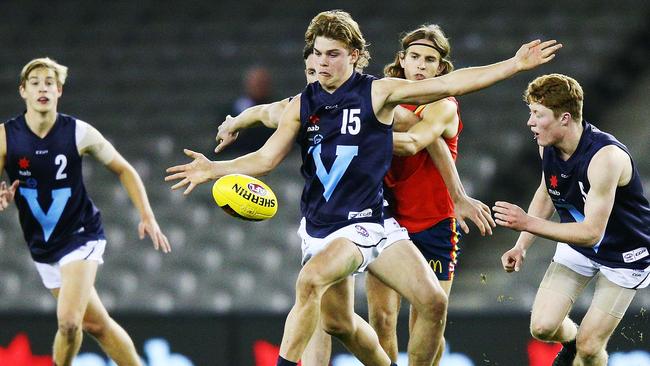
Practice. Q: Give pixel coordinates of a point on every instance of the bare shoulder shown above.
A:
(381, 90)
(294, 103)
(83, 126)
(610, 162)
(387, 84)
(291, 113)
(610, 155)
(443, 113)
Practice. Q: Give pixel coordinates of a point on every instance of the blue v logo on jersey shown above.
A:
(579, 217)
(47, 220)
(344, 156)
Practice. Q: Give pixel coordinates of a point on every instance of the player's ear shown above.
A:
(21, 91)
(565, 118)
(401, 55)
(354, 56)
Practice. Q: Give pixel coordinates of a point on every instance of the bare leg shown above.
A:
(549, 321)
(608, 306)
(446, 286)
(383, 309)
(339, 320)
(336, 262)
(402, 267)
(77, 279)
(111, 336)
(318, 349)
(595, 330)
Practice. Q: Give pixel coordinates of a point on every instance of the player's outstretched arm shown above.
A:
(260, 162)
(609, 168)
(94, 144)
(467, 80)
(267, 114)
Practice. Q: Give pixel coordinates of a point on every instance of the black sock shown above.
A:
(283, 362)
(570, 345)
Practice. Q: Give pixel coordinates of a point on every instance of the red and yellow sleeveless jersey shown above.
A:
(420, 198)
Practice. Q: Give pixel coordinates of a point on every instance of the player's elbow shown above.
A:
(408, 145)
(591, 237)
(592, 241)
(408, 149)
(129, 174)
(412, 149)
(266, 165)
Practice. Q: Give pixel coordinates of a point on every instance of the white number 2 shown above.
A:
(63, 162)
(351, 122)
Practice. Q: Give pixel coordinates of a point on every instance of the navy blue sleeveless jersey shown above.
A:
(346, 152)
(626, 242)
(55, 212)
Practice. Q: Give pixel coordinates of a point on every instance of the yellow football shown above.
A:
(245, 197)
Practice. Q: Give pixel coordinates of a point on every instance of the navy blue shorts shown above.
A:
(439, 245)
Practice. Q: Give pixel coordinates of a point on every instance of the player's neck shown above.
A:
(570, 143)
(40, 122)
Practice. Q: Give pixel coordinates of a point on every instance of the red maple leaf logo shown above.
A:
(19, 352)
(314, 119)
(23, 163)
(553, 181)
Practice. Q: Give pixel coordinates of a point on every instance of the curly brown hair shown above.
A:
(557, 92)
(339, 25)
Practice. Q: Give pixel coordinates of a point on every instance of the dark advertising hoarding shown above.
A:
(252, 339)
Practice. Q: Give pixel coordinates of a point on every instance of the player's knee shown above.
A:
(383, 320)
(589, 348)
(432, 304)
(309, 285)
(544, 331)
(97, 329)
(339, 327)
(69, 328)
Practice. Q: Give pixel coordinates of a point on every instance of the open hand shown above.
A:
(191, 174)
(150, 227)
(510, 216)
(475, 210)
(536, 53)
